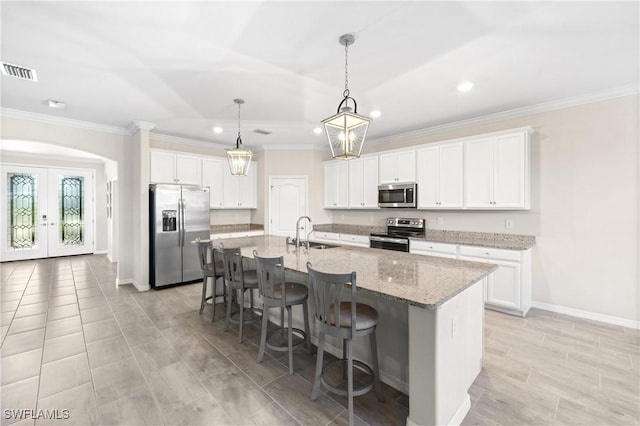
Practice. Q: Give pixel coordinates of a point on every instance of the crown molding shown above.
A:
(632, 89)
(50, 119)
(290, 147)
(52, 157)
(136, 125)
(186, 141)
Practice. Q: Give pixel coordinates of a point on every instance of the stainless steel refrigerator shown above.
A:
(178, 214)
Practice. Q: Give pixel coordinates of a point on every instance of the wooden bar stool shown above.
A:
(212, 268)
(345, 320)
(275, 292)
(238, 280)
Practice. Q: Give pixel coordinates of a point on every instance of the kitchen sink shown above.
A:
(320, 246)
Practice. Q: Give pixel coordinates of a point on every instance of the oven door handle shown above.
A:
(389, 240)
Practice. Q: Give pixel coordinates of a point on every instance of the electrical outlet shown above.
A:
(439, 221)
(508, 223)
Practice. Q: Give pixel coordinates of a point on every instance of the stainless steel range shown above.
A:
(398, 232)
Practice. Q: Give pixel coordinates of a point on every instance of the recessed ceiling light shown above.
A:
(465, 86)
(217, 130)
(317, 130)
(375, 113)
(56, 104)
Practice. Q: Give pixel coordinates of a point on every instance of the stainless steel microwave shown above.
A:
(397, 195)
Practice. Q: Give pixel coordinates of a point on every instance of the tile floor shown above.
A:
(73, 341)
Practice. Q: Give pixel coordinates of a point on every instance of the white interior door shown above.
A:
(49, 212)
(287, 201)
(70, 212)
(24, 215)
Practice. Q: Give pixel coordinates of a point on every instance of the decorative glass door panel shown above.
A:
(48, 212)
(71, 223)
(24, 232)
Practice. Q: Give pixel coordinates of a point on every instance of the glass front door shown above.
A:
(49, 212)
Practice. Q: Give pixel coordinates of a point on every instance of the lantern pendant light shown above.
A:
(346, 130)
(239, 158)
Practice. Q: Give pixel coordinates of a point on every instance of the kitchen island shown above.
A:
(431, 309)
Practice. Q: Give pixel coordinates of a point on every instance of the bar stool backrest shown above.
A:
(271, 277)
(327, 291)
(233, 271)
(206, 256)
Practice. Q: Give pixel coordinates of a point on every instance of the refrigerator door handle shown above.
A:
(184, 220)
(180, 222)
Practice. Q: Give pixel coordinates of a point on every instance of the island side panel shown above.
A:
(445, 357)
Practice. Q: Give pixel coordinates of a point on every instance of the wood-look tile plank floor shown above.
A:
(72, 340)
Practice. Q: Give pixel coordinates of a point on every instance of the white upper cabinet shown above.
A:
(171, 167)
(226, 191)
(397, 167)
(188, 169)
(497, 172)
(440, 176)
(240, 192)
(336, 184)
(363, 182)
(212, 176)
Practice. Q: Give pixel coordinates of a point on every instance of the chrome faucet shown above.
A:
(298, 231)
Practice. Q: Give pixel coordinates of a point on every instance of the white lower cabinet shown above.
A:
(239, 234)
(507, 289)
(342, 239)
(354, 240)
(429, 248)
(325, 237)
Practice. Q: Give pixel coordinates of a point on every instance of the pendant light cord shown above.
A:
(239, 140)
(346, 70)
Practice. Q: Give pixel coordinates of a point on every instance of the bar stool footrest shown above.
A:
(253, 318)
(278, 339)
(356, 391)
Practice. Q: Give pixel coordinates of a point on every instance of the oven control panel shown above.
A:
(405, 222)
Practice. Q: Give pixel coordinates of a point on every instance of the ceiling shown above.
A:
(179, 65)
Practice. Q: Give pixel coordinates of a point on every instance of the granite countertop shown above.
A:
(239, 227)
(349, 229)
(482, 239)
(423, 281)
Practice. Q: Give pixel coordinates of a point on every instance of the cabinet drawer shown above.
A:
(361, 240)
(326, 236)
(435, 247)
(491, 253)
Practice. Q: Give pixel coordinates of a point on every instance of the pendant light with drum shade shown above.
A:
(346, 130)
(239, 157)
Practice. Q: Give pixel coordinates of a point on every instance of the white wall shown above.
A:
(584, 205)
(100, 206)
(110, 145)
(292, 163)
(584, 197)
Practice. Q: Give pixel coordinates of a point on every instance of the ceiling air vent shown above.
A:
(18, 71)
(262, 131)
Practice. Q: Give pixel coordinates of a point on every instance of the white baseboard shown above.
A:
(137, 285)
(588, 315)
(123, 281)
(100, 252)
(141, 287)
